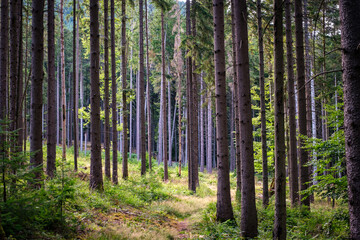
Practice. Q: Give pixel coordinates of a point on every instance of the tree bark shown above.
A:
(114, 104)
(63, 94)
(237, 112)
(124, 88)
(280, 174)
(106, 91)
(202, 144)
(148, 87)
(96, 178)
(248, 207)
(163, 99)
(51, 123)
(293, 164)
(75, 88)
(142, 89)
(350, 38)
(263, 109)
(304, 169)
(36, 159)
(4, 51)
(209, 136)
(224, 210)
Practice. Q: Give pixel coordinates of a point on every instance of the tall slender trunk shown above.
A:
(194, 107)
(148, 86)
(169, 118)
(14, 77)
(303, 155)
(142, 89)
(209, 136)
(106, 91)
(131, 107)
(350, 38)
(248, 207)
(36, 159)
(188, 96)
(237, 110)
(224, 210)
(163, 99)
(114, 91)
(21, 95)
(63, 96)
(124, 86)
(263, 108)
(293, 164)
(51, 123)
(75, 87)
(202, 145)
(280, 173)
(58, 102)
(96, 178)
(4, 51)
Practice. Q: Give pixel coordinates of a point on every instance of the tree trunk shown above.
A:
(51, 123)
(248, 207)
(63, 94)
(280, 173)
(4, 50)
(194, 108)
(131, 106)
(169, 118)
(188, 95)
(124, 87)
(209, 136)
(96, 178)
(36, 159)
(163, 99)
(304, 169)
(142, 89)
(202, 145)
(224, 210)
(148, 86)
(14, 105)
(293, 164)
(114, 91)
(237, 113)
(350, 38)
(75, 87)
(263, 109)
(106, 91)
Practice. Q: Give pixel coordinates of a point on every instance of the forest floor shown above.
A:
(148, 208)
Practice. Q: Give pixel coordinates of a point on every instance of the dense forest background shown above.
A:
(179, 119)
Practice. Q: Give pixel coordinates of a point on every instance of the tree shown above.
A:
(224, 210)
(248, 207)
(4, 51)
(142, 89)
(114, 91)
(63, 94)
(350, 38)
(51, 123)
(263, 108)
(96, 179)
(14, 68)
(163, 99)
(124, 87)
(106, 92)
(293, 164)
(300, 68)
(75, 87)
(36, 159)
(280, 174)
(148, 86)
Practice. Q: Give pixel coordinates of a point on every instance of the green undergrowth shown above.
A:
(65, 207)
(322, 222)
